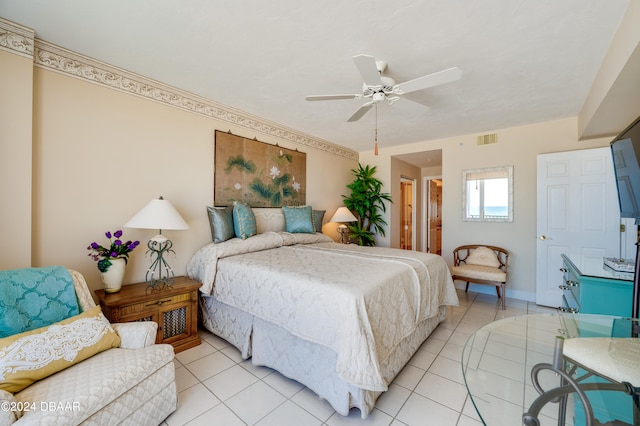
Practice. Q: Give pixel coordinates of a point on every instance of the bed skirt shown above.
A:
(309, 363)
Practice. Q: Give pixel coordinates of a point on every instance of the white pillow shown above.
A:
(483, 256)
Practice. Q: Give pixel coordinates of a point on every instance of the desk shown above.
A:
(497, 361)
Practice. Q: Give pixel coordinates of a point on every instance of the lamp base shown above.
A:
(344, 233)
(159, 274)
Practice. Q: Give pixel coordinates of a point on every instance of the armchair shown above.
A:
(127, 380)
(481, 265)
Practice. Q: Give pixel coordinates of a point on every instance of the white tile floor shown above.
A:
(217, 387)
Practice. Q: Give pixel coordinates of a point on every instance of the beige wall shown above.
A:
(99, 155)
(16, 75)
(516, 146)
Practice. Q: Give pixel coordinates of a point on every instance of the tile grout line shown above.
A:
(474, 303)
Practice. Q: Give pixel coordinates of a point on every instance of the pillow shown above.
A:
(298, 219)
(318, 215)
(32, 298)
(33, 355)
(244, 221)
(483, 256)
(221, 223)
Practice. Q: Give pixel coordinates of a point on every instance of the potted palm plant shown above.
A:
(366, 202)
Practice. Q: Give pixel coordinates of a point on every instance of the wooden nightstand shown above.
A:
(175, 309)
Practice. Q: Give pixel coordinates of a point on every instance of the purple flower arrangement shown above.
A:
(116, 249)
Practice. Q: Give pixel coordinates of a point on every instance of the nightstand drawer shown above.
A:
(162, 302)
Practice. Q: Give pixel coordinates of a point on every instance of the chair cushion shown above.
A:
(615, 358)
(97, 381)
(28, 357)
(483, 256)
(7, 416)
(480, 272)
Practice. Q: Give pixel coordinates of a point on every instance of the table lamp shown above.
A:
(343, 215)
(158, 214)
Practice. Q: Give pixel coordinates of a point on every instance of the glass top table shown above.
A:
(498, 358)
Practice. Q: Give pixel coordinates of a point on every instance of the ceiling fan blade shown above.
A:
(331, 97)
(368, 69)
(424, 82)
(360, 112)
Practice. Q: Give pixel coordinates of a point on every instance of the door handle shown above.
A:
(544, 237)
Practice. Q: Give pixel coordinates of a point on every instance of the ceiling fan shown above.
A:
(378, 88)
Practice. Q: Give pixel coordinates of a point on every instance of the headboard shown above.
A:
(269, 219)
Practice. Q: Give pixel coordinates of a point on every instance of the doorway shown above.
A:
(407, 214)
(433, 214)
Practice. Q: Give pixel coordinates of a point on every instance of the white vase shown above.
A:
(112, 279)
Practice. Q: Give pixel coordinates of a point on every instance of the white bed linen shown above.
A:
(360, 302)
(309, 363)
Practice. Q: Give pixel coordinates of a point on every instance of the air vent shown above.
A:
(488, 139)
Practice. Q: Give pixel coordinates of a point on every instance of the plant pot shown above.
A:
(112, 279)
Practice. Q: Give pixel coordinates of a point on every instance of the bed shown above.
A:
(342, 320)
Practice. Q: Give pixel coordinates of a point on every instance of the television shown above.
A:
(625, 149)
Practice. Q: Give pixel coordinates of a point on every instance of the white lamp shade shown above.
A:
(343, 215)
(157, 214)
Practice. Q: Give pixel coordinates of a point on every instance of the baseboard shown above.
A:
(526, 296)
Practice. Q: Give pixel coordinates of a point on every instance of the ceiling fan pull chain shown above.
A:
(375, 148)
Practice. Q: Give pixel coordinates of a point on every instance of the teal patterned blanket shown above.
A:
(31, 298)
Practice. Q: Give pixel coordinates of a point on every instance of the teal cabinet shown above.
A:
(591, 288)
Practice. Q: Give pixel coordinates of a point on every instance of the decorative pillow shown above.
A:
(483, 256)
(318, 215)
(244, 221)
(28, 357)
(298, 219)
(32, 298)
(221, 223)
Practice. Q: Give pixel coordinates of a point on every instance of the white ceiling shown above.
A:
(522, 61)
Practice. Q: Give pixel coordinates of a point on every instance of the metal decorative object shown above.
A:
(159, 274)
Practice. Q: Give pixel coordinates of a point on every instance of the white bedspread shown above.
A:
(359, 301)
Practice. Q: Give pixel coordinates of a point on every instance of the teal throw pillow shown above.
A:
(221, 223)
(32, 298)
(298, 219)
(244, 221)
(318, 215)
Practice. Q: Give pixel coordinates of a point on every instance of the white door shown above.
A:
(577, 214)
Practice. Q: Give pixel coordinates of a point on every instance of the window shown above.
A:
(487, 195)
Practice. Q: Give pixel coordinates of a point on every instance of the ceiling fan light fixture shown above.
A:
(378, 97)
(380, 88)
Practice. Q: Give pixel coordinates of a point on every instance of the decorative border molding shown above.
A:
(58, 59)
(17, 39)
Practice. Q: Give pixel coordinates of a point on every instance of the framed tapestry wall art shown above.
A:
(257, 173)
